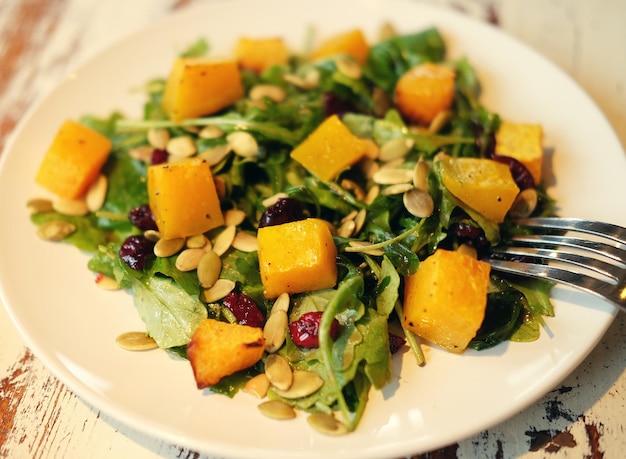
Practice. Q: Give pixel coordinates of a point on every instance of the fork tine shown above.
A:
(589, 284)
(553, 241)
(596, 264)
(602, 229)
(593, 264)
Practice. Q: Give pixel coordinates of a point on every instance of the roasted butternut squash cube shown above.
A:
(200, 86)
(424, 91)
(219, 349)
(258, 54)
(329, 149)
(297, 257)
(485, 185)
(523, 142)
(352, 43)
(183, 198)
(445, 300)
(73, 160)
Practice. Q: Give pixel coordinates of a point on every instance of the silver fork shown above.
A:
(594, 262)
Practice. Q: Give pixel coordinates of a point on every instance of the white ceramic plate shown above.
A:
(70, 324)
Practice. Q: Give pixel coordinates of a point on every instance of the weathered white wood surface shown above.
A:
(41, 40)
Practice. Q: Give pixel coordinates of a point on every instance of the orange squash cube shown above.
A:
(485, 185)
(73, 160)
(297, 257)
(329, 149)
(261, 53)
(523, 142)
(445, 300)
(183, 198)
(218, 349)
(424, 91)
(199, 86)
(352, 43)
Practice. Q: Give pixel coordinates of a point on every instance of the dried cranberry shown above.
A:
(333, 105)
(244, 309)
(142, 218)
(395, 343)
(285, 210)
(305, 331)
(522, 176)
(159, 156)
(135, 251)
(470, 234)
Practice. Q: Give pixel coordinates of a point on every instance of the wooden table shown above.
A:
(41, 40)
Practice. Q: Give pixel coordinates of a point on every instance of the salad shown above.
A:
(287, 222)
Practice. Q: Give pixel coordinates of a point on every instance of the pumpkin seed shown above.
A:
(224, 240)
(350, 216)
(245, 242)
(188, 259)
(182, 146)
(349, 67)
(304, 383)
(395, 148)
(326, 424)
(276, 409)
(347, 228)
(362, 246)
(420, 175)
(397, 189)
(372, 194)
(55, 230)
(196, 242)
(524, 204)
(39, 205)
(349, 185)
(234, 217)
(106, 282)
(273, 92)
(281, 304)
(142, 153)
(209, 269)
(216, 154)
(257, 386)
(135, 341)
(76, 207)
(278, 371)
(167, 247)
(211, 132)
(220, 289)
(359, 221)
(269, 202)
(152, 235)
(275, 329)
(439, 121)
(158, 138)
(419, 203)
(96, 193)
(310, 81)
(392, 176)
(243, 143)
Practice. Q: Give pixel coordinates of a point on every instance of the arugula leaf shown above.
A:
(171, 315)
(389, 59)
